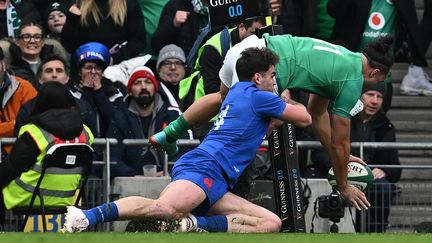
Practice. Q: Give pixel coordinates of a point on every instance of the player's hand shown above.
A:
(378, 173)
(274, 123)
(353, 158)
(356, 197)
(180, 18)
(285, 96)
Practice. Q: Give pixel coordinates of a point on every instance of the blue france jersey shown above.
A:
(241, 127)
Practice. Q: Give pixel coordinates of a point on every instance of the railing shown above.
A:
(106, 143)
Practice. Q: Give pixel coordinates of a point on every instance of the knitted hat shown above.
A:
(142, 72)
(170, 51)
(380, 87)
(55, 6)
(93, 51)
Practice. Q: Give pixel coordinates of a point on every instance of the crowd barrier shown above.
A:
(411, 204)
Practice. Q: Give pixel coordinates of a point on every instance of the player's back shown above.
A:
(314, 65)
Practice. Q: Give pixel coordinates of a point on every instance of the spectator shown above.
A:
(148, 113)
(14, 92)
(171, 68)
(179, 24)
(357, 22)
(118, 25)
(19, 12)
(372, 125)
(53, 68)
(416, 81)
(30, 48)
(205, 78)
(55, 18)
(54, 111)
(88, 85)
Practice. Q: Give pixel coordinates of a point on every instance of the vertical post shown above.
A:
(287, 182)
(362, 212)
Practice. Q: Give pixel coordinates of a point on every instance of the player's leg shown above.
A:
(233, 214)
(177, 200)
(244, 216)
(200, 111)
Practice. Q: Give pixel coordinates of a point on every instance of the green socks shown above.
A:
(176, 129)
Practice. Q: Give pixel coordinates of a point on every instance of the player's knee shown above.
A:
(167, 211)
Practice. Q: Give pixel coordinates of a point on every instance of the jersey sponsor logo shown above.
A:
(376, 21)
(357, 108)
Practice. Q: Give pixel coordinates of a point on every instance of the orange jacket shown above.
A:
(18, 93)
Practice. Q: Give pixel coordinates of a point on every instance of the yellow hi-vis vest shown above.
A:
(58, 186)
(185, 84)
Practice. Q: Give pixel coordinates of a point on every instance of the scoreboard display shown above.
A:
(226, 12)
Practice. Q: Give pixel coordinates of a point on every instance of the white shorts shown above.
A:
(228, 73)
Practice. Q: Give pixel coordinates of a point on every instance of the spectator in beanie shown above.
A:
(91, 59)
(171, 67)
(55, 18)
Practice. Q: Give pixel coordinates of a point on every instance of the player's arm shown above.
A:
(296, 113)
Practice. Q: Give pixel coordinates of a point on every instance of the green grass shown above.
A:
(211, 237)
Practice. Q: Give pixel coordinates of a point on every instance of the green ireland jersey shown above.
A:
(320, 68)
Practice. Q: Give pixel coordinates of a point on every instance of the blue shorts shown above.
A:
(198, 167)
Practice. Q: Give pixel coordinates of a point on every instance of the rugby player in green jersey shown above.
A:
(330, 73)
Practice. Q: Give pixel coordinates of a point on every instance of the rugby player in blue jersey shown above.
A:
(199, 197)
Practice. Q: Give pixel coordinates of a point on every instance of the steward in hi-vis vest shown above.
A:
(58, 186)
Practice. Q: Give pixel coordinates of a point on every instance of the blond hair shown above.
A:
(117, 11)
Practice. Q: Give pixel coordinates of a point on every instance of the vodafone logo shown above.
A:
(376, 21)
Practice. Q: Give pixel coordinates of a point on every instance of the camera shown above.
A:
(332, 206)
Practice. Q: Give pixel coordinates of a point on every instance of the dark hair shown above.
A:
(380, 53)
(53, 95)
(50, 58)
(1, 54)
(30, 23)
(254, 60)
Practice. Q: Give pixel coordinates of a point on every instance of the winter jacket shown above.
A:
(17, 93)
(351, 16)
(127, 124)
(101, 105)
(378, 129)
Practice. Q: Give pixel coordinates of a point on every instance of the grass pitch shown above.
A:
(211, 237)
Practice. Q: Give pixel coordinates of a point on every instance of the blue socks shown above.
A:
(103, 213)
(218, 223)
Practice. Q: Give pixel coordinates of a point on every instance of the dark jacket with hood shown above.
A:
(25, 150)
(351, 16)
(127, 124)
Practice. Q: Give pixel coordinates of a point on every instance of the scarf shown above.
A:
(199, 7)
(13, 21)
